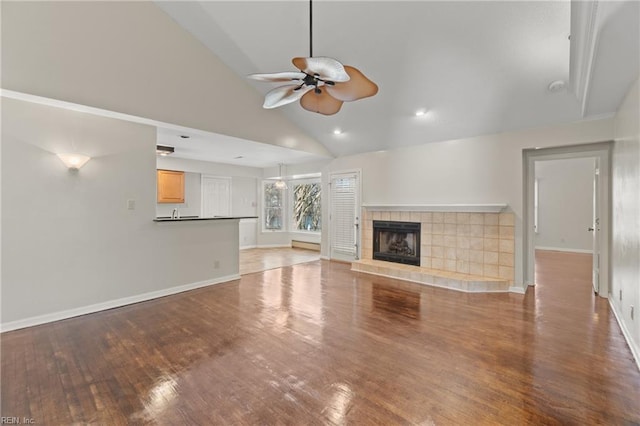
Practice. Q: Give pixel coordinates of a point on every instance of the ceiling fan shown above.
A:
(322, 84)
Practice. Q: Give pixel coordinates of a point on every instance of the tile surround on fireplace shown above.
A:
(450, 280)
(475, 244)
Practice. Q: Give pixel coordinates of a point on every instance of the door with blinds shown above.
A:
(344, 212)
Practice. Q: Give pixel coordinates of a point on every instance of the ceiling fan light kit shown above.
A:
(322, 85)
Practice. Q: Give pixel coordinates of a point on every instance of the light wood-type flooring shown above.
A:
(262, 259)
(315, 343)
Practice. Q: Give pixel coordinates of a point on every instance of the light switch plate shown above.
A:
(131, 204)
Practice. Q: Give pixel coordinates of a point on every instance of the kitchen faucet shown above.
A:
(175, 213)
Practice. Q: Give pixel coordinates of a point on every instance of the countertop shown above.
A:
(190, 218)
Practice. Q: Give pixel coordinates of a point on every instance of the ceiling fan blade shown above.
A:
(326, 68)
(322, 103)
(357, 87)
(284, 95)
(278, 76)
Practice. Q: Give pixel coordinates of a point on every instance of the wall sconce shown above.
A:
(74, 161)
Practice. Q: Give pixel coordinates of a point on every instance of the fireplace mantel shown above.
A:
(466, 208)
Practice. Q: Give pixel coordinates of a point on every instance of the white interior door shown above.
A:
(595, 228)
(216, 196)
(344, 220)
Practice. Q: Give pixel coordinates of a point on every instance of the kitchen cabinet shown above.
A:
(170, 186)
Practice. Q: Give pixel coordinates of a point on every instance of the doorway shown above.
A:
(344, 208)
(592, 208)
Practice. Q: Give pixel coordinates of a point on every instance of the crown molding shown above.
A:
(585, 27)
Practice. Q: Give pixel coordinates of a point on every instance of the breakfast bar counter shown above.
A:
(192, 218)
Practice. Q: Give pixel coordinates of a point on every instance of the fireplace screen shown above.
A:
(396, 242)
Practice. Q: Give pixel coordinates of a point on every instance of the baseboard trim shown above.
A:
(248, 247)
(568, 250)
(97, 307)
(517, 289)
(635, 350)
(307, 245)
(274, 245)
(325, 258)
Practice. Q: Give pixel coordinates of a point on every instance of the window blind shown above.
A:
(343, 214)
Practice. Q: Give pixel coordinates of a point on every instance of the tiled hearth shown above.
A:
(459, 250)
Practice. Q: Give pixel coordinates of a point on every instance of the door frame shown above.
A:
(358, 172)
(599, 150)
(595, 228)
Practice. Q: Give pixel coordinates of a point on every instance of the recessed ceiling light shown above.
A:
(420, 113)
(185, 136)
(238, 157)
(337, 132)
(556, 86)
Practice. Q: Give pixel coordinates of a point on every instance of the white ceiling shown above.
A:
(205, 146)
(477, 67)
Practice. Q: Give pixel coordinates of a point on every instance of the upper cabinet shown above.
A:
(170, 186)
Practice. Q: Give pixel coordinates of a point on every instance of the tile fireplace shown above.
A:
(469, 248)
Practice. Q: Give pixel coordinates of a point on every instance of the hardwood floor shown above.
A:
(316, 343)
(262, 259)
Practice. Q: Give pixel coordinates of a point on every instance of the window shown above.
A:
(306, 207)
(273, 207)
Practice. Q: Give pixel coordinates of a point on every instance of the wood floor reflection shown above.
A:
(316, 343)
(262, 259)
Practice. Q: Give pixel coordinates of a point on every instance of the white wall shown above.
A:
(69, 243)
(479, 170)
(192, 198)
(565, 204)
(244, 196)
(626, 218)
(131, 57)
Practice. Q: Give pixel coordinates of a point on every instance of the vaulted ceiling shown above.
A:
(475, 67)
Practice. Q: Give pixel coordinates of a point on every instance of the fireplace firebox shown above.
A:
(396, 242)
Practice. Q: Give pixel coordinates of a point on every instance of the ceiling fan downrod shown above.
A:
(311, 28)
(321, 84)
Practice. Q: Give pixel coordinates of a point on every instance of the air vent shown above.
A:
(164, 150)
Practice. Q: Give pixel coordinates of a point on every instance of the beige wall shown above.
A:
(70, 245)
(480, 170)
(626, 218)
(131, 57)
